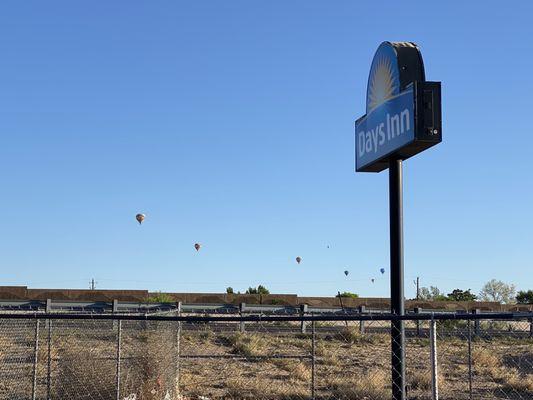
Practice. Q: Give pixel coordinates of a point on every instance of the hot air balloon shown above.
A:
(372, 280)
(298, 260)
(346, 272)
(382, 270)
(140, 218)
(197, 246)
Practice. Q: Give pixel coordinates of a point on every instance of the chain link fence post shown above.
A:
(362, 310)
(178, 351)
(477, 325)
(313, 359)
(303, 311)
(49, 362)
(35, 360)
(470, 359)
(119, 340)
(242, 327)
(434, 366)
(115, 310)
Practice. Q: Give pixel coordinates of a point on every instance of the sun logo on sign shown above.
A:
(382, 85)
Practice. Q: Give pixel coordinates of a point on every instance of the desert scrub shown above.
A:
(248, 345)
(205, 336)
(372, 385)
(448, 326)
(419, 342)
(488, 362)
(326, 353)
(238, 388)
(298, 370)
(353, 335)
(420, 379)
(518, 382)
(79, 374)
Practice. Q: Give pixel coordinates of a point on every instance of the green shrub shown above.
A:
(159, 297)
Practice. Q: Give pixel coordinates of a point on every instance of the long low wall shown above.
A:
(23, 293)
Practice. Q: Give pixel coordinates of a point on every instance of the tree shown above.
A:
(433, 293)
(229, 290)
(258, 290)
(497, 291)
(524, 297)
(159, 297)
(348, 294)
(461, 295)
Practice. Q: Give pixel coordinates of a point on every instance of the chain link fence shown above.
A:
(86, 357)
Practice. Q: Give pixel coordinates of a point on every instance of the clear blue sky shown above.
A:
(232, 124)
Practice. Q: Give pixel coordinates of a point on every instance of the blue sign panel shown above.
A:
(385, 128)
(403, 110)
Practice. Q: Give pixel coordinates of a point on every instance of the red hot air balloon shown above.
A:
(197, 246)
(298, 260)
(140, 218)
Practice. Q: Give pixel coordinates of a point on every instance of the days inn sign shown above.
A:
(403, 110)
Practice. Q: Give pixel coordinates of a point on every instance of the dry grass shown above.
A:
(81, 378)
(205, 336)
(326, 354)
(239, 388)
(486, 361)
(274, 379)
(349, 366)
(248, 345)
(518, 382)
(84, 368)
(420, 379)
(372, 385)
(298, 370)
(353, 335)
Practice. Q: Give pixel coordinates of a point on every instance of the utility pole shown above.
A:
(417, 287)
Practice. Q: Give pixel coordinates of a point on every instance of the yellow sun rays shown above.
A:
(382, 86)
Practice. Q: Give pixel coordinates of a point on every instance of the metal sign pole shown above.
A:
(396, 278)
